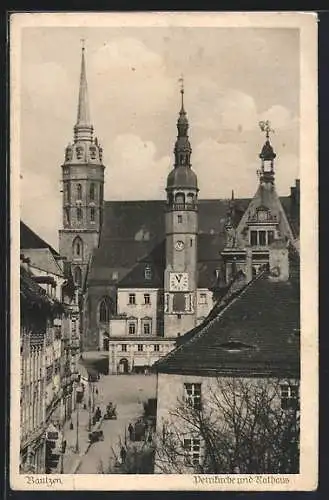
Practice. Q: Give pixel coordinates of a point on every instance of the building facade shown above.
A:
(169, 256)
(50, 347)
(235, 379)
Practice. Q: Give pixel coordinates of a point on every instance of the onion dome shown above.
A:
(182, 177)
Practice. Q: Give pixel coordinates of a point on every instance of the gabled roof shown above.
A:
(266, 197)
(43, 259)
(257, 333)
(29, 239)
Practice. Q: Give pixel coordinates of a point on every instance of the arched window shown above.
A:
(179, 198)
(92, 192)
(79, 214)
(67, 193)
(78, 248)
(92, 214)
(67, 216)
(104, 311)
(79, 192)
(77, 276)
(190, 198)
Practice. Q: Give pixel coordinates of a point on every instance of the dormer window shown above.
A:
(148, 273)
(262, 215)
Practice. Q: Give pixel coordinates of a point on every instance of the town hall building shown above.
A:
(148, 271)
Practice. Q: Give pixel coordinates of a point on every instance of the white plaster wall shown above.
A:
(139, 310)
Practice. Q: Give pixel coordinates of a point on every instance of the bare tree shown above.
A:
(240, 427)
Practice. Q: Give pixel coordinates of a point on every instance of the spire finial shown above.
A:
(83, 117)
(181, 81)
(265, 126)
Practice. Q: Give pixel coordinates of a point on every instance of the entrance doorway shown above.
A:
(123, 365)
(106, 344)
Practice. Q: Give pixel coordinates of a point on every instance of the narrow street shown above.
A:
(127, 392)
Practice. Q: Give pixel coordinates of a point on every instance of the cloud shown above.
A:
(214, 163)
(41, 205)
(134, 172)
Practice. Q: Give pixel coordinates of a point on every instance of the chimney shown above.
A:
(279, 261)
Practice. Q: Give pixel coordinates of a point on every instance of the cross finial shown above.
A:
(265, 126)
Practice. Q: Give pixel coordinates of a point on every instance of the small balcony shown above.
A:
(182, 206)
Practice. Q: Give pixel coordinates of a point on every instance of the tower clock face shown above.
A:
(178, 282)
(179, 245)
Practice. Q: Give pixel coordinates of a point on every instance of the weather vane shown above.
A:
(265, 126)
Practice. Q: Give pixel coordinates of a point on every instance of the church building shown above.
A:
(148, 270)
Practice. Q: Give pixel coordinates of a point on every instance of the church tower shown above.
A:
(83, 187)
(181, 222)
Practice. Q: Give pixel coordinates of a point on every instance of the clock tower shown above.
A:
(181, 221)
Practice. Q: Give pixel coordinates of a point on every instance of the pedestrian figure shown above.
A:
(123, 454)
(71, 425)
(98, 413)
(96, 392)
(130, 430)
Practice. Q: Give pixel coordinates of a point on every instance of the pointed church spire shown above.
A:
(83, 129)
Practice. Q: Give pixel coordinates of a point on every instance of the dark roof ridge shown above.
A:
(40, 239)
(202, 331)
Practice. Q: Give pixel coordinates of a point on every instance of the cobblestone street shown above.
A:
(127, 392)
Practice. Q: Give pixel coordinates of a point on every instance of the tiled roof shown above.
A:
(34, 297)
(133, 230)
(43, 259)
(257, 333)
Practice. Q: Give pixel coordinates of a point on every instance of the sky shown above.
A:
(234, 77)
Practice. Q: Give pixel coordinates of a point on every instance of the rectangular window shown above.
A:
(179, 219)
(132, 328)
(203, 298)
(262, 238)
(156, 347)
(192, 451)
(289, 397)
(147, 328)
(132, 299)
(192, 395)
(270, 237)
(140, 347)
(253, 238)
(124, 347)
(147, 298)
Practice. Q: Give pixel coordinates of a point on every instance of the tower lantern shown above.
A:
(267, 154)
